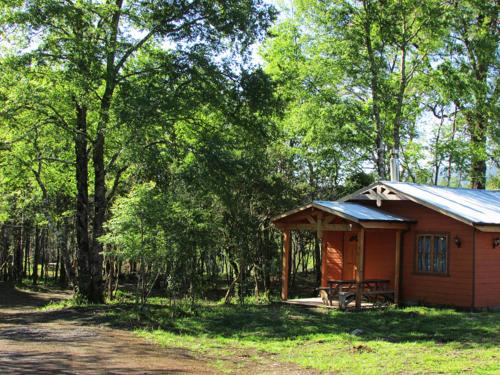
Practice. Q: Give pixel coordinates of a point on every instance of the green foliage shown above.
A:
(361, 78)
(135, 228)
(114, 84)
(187, 150)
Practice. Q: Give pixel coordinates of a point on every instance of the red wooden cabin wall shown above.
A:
(380, 254)
(452, 289)
(487, 287)
(455, 289)
(332, 259)
(339, 255)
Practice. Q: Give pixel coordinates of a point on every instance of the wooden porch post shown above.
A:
(286, 264)
(398, 267)
(319, 235)
(360, 267)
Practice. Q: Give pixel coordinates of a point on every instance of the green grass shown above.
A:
(410, 341)
(63, 304)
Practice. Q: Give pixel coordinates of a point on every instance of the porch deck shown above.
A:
(318, 302)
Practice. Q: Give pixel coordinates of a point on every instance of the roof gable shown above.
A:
(471, 206)
(359, 212)
(355, 212)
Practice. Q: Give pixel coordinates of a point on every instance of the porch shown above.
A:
(358, 244)
(317, 302)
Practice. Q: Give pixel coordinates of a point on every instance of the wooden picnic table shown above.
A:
(345, 291)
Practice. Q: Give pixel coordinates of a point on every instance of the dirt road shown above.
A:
(39, 342)
(71, 342)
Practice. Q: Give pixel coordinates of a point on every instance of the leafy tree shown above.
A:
(135, 233)
(467, 79)
(89, 49)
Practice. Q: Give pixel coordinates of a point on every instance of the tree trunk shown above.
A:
(375, 91)
(27, 245)
(97, 285)
(396, 133)
(58, 259)
(450, 156)
(18, 257)
(63, 278)
(478, 162)
(42, 253)
(110, 277)
(84, 276)
(67, 273)
(4, 252)
(36, 256)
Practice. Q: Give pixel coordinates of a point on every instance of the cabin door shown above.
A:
(350, 245)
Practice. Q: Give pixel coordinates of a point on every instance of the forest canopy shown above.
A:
(149, 142)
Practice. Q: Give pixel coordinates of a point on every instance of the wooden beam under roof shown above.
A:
(488, 228)
(323, 227)
(384, 225)
(342, 227)
(375, 192)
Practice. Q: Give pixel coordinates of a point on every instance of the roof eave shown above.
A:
(410, 198)
(485, 227)
(431, 206)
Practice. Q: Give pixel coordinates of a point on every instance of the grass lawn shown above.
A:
(410, 341)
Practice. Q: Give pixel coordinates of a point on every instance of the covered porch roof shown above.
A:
(363, 216)
(323, 216)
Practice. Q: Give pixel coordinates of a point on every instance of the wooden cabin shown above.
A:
(430, 245)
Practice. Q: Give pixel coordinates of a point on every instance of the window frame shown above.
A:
(415, 255)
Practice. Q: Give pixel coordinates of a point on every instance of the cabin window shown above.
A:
(432, 253)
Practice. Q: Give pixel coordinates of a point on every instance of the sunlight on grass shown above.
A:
(412, 340)
(72, 302)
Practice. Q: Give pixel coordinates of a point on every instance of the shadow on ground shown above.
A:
(278, 322)
(281, 322)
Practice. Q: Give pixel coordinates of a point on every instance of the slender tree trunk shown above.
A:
(375, 91)
(110, 277)
(27, 251)
(450, 157)
(36, 255)
(256, 281)
(4, 252)
(43, 264)
(118, 267)
(66, 270)
(231, 287)
(396, 134)
(476, 119)
(18, 257)
(478, 162)
(58, 259)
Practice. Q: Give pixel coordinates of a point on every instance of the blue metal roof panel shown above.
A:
(360, 212)
(476, 206)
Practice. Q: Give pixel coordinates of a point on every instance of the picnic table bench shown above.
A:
(375, 291)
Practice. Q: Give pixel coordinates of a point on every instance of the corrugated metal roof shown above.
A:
(472, 205)
(359, 212)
